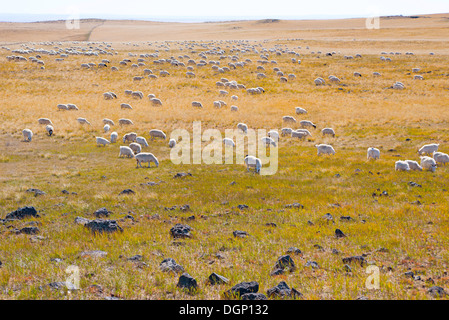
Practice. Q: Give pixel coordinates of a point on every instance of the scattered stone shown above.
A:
(136, 257)
(22, 213)
(317, 246)
(335, 251)
(312, 264)
(436, 291)
(29, 230)
(282, 290)
(57, 260)
(346, 218)
(328, 217)
(217, 279)
(339, 233)
(180, 231)
(347, 268)
(242, 288)
(94, 253)
(294, 250)
(285, 262)
(65, 191)
(36, 192)
(103, 225)
(383, 250)
(254, 296)
(170, 265)
(127, 191)
(271, 224)
(310, 223)
(242, 206)
(57, 285)
(240, 234)
(185, 207)
(186, 281)
(414, 184)
(182, 175)
(82, 221)
(102, 212)
(359, 259)
(295, 205)
(337, 175)
(233, 183)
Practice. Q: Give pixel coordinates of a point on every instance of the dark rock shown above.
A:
(240, 234)
(29, 230)
(271, 224)
(346, 218)
(82, 221)
(182, 175)
(65, 192)
(242, 206)
(186, 281)
(191, 218)
(339, 233)
(170, 265)
(185, 207)
(310, 223)
(137, 257)
(242, 288)
(335, 251)
(102, 212)
(36, 192)
(282, 290)
(295, 205)
(254, 296)
(127, 191)
(294, 250)
(312, 264)
(328, 216)
(358, 259)
(217, 279)
(436, 291)
(22, 213)
(347, 268)
(277, 272)
(317, 246)
(233, 183)
(57, 285)
(103, 225)
(285, 262)
(180, 231)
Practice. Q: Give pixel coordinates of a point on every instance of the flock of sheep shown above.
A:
(430, 155)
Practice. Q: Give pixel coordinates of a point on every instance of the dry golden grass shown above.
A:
(361, 110)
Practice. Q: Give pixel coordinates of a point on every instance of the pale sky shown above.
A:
(234, 8)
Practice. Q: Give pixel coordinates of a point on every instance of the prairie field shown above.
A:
(398, 221)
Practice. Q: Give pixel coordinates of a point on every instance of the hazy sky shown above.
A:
(267, 8)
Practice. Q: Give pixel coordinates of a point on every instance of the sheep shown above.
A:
(146, 157)
(123, 122)
(319, 81)
(83, 121)
(135, 147)
(307, 123)
(418, 77)
(286, 131)
(109, 95)
(234, 97)
(131, 136)
(172, 143)
(49, 129)
(44, 121)
(128, 92)
(242, 126)
(228, 142)
(300, 110)
(156, 102)
(125, 106)
(72, 106)
(217, 104)
(274, 134)
(102, 141)
(223, 93)
(126, 151)
(325, 149)
(197, 104)
(114, 137)
(62, 107)
(441, 157)
(357, 74)
(413, 165)
(334, 79)
(299, 134)
(253, 162)
(106, 128)
(428, 163)
(288, 119)
(154, 133)
(27, 134)
(373, 153)
(108, 121)
(328, 131)
(401, 166)
(268, 141)
(151, 96)
(137, 94)
(234, 108)
(428, 149)
(142, 141)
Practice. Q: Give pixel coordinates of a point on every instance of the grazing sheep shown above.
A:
(428, 149)
(114, 137)
(27, 134)
(243, 127)
(268, 141)
(300, 110)
(83, 121)
(325, 149)
(72, 106)
(319, 81)
(299, 134)
(428, 163)
(137, 94)
(109, 95)
(154, 133)
(146, 157)
(142, 141)
(357, 74)
(131, 136)
(234, 108)
(49, 129)
(328, 131)
(125, 106)
(418, 77)
(234, 97)
(108, 121)
(128, 92)
(273, 134)
(44, 121)
(197, 104)
(102, 141)
(126, 151)
(228, 142)
(288, 119)
(62, 107)
(223, 93)
(217, 104)
(413, 165)
(307, 123)
(441, 157)
(123, 122)
(401, 166)
(286, 131)
(172, 143)
(106, 128)
(373, 153)
(253, 162)
(156, 102)
(135, 147)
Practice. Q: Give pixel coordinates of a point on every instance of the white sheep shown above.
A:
(324, 149)
(49, 129)
(300, 110)
(441, 157)
(62, 107)
(109, 95)
(123, 122)
(83, 121)
(135, 147)
(243, 127)
(307, 123)
(126, 151)
(428, 163)
(131, 136)
(114, 137)
(373, 153)
(155, 133)
(108, 121)
(288, 119)
(172, 143)
(286, 131)
(106, 128)
(413, 165)
(197, 104)
(234, 108)
(328, 131)
(428, 148)
(299, 134)
(125, 106)
(156, 102)
(253, 162)
(102, 141)
(217, 104)
(72, 106)
(142, 141)
(268, 141)
(401, 166)
(137, 94)
(27, 134)
(44, 121)
(273, 134)
(234, 97)
(228, 142)
(146, 157)
(319, 81)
